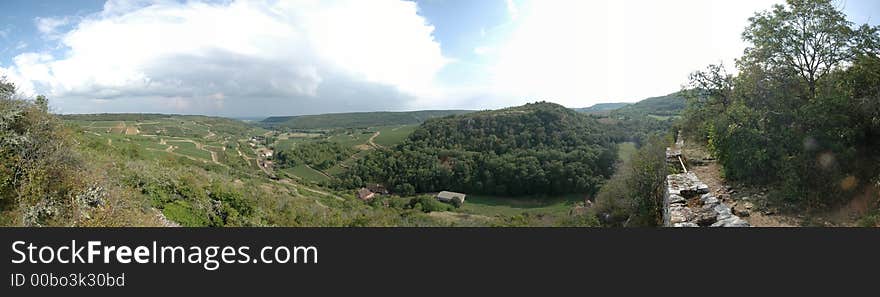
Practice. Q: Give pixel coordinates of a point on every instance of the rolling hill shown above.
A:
(355, 119)
(538, 148)
(669, 105)
(602, 107)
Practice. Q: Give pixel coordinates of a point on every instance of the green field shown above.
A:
(389, 136)
(306, 173)
(625, 150)
(493, 205)
(189, 149)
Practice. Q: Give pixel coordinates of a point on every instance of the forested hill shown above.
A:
(356, 119)
(669, 105)
(538, 148)
(602, 107)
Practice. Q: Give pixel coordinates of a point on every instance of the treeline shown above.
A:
(539, 148)
(803, 112)
(320, 155)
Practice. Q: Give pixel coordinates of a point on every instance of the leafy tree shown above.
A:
(802, 112)
(808, 37)
(538, 148)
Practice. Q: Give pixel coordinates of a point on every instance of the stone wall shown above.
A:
(688, 202)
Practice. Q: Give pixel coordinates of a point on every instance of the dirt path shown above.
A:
(374, 137)
(709, 172)
(299, 186)
(199, 146)
(319, 171)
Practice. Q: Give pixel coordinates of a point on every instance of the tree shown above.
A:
(42, 102)
(808, 37)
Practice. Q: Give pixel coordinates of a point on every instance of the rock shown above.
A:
(710, 201)
(722, 209)
(732, 221)
(685, 225)
(676, 199)
(93, 196)
(705, 217)
(743, 208)
(702, 189)
(680, 214)
(745, 198)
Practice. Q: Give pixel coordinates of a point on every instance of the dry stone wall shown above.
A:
(689, 203)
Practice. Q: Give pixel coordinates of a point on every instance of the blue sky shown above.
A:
(259, 58)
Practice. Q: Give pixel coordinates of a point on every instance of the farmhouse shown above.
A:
(377, 188)
(365, 194)
(446, 196)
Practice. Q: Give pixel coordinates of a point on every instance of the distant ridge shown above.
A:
(601, 107)
(356, 119)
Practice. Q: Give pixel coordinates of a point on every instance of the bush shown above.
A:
(428, 204)
(634, 195)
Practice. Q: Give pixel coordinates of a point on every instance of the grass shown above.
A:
(185, 214)
(662, 118)
(392, 135)
(508, 206)
(306, 173)
(625, 150)
(286, 144)
(189, 149)
(354, 139)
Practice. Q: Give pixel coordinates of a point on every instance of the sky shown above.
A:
(253, 58)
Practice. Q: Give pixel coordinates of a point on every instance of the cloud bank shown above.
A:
(255, 58)
(236, 58)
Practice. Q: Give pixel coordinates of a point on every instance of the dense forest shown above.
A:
(539, 148)
(802, 112)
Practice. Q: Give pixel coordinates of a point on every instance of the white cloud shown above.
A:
(483, 50)
(582, 52)
(512, 10)
(48, 26)
(308, 56)
(344, 54)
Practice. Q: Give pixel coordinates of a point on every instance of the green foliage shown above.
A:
(584, 220)
(601, 107)
(802, 113)
(39, 173)
(428, 204)
(183, 213)
(669, 105)
(320, 155)
(537, 148)
(634, 195)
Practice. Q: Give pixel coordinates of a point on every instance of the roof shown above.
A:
(364, 193)
(447, 195)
